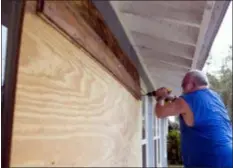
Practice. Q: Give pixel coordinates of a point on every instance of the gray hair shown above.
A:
(199, 77)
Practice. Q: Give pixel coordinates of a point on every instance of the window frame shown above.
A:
(155, 135)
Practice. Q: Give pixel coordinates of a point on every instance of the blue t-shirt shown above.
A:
(208, 143)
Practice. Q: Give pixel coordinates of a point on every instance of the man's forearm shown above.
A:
(159, 107)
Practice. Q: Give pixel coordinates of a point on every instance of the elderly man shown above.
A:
(206, 130)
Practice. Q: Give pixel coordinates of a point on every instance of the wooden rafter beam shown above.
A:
(162, 19)
(167, 79)
(150, 55)
(166, 65)
(163, 29)
(162, 45)
(163, 52)
(174, 11)
(167, 73)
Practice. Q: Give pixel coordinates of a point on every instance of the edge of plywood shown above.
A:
(73, 19)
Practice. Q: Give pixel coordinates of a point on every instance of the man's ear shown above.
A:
(194, 85)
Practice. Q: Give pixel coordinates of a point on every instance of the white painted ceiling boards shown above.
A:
(170, 37)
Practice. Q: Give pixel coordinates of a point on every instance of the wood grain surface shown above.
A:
(95, 20)
(83, 23)
(69, 111)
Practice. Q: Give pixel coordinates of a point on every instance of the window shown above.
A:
(143, 128)
(158, 146)
(158, 127)
(157, 142)
(150, 120)
(144, 155)
(143, 136)
(155, 126)
(4, 47)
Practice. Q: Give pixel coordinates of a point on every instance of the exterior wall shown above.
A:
(69, 111)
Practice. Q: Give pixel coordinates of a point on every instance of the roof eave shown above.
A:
(217, 16)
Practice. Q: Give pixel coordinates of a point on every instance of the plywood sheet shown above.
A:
(82, 22)
(69, 111)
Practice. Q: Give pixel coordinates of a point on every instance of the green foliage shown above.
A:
(221, 82)
(173, 125)
(174, 151)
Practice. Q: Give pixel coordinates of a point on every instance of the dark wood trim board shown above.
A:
(12, 57)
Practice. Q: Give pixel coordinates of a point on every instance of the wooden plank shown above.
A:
(84, 24)
(69, 110)
(14, 23)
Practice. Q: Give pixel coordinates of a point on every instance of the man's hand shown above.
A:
(172, 107)
(162, 93)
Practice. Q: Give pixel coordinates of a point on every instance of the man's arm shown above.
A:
(173, 108)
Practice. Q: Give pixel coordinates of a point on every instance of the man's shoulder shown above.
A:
(183, 104)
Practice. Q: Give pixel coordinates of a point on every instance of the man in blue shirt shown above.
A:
(206, 130)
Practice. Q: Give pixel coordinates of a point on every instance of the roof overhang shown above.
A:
(164, 39)
(168, 37)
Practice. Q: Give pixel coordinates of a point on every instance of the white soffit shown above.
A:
(169, 36)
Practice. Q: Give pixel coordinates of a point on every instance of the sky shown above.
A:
(221, 43)
(218, 51)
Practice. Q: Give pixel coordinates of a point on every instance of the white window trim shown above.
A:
(156, 137)
(144, 142)
(149, 131)
(155, 129)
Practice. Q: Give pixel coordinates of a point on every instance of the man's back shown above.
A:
(208, 143)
